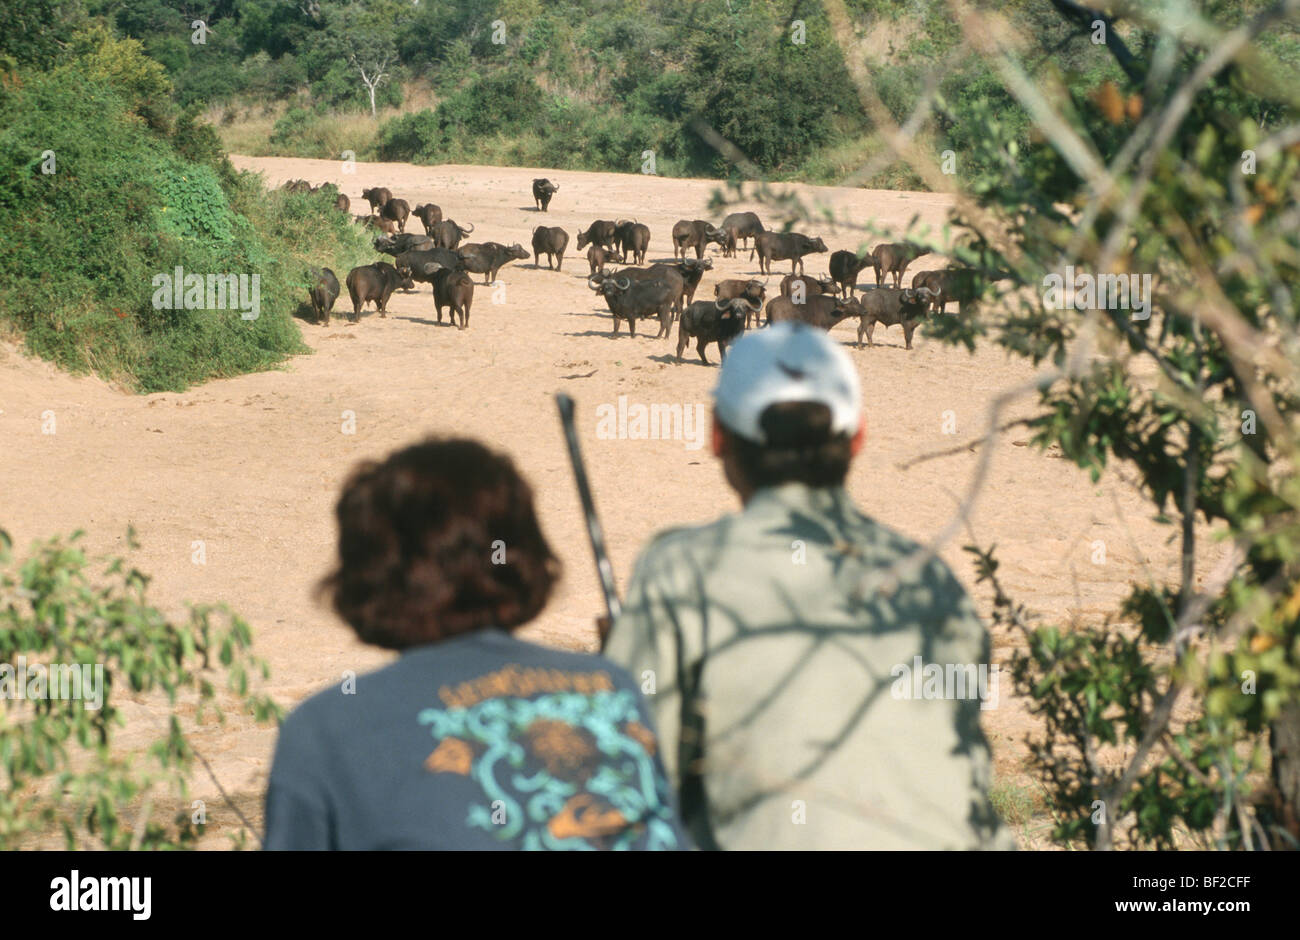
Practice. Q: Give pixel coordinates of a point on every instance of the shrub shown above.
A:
(61, 771)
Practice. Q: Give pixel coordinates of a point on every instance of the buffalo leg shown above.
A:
(699, 348)
(908, 330)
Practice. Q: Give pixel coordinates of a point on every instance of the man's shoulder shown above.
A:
(682, 546)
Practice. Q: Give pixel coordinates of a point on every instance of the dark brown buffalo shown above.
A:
(712, 321)
(742, 226)
(384, 225)
(783, 246)
(633, 238)
(373, 282)
(543, 190)
(822, 311)
(377, 196)
(421, 264)
(894, 259)
(691, 271)
(695, 234)
(396, 210)
(811, 286)
(324, 291)
(752, 291)
(845, 266)
(550, 240)
(600, 232)
(397, 244)
(963, 285)
(454, 289)
(684, 274)
(342, 202)
(487, 258)
(598, 257)
(447, 234)
(429, 214)
(633, 299)
(892, 306)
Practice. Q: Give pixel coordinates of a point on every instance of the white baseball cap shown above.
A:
(787, 362)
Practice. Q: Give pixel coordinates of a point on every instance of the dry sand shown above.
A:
(251, 466)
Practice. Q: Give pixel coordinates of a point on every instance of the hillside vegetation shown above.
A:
(106, 184)
(595, 84)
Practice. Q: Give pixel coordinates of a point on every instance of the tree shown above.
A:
(364, 38)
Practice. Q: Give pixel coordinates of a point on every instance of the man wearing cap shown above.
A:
(778, 646)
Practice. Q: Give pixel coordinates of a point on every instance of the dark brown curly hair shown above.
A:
(438, 539)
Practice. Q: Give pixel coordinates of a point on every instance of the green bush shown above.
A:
(80, 248)
(61, 770)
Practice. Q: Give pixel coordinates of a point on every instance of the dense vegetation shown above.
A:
(593, 84)
(104, 185)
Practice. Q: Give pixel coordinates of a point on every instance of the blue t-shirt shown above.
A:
(482, 741)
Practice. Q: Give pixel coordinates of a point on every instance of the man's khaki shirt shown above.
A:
(789, 656)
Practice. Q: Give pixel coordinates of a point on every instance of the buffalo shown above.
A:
(695, 234)
(743, 226)
(632, 299)
(807, 286)
(684, 274)
(488, 258)
(550, 241)
(342, 202)
(893, 306)
(713, 321)
(822, 310)
(415, 263)
(845, 266)
(324, 291)
(692, 271)
(384, 225)
(543, 190)
(964, 285)
(598, 257)
(894, 259)
(396, 210)
(600, 232)
(447, 234)
(397, 244)
(782, 246)
(454, 289)
(753, 291)
(428, 214)
(377, 196)
(633, 238)
(373, 282)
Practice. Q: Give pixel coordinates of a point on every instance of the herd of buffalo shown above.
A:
(663, 291)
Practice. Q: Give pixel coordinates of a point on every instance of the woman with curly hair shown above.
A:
(472, 738)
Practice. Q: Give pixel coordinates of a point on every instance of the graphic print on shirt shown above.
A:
(560, 770)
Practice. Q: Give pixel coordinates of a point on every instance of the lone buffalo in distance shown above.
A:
(543, 190)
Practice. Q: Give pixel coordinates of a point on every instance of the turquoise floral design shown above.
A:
(558, 763)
